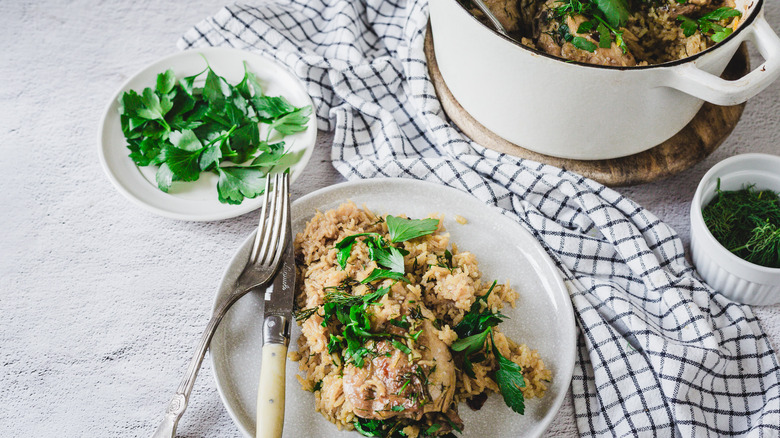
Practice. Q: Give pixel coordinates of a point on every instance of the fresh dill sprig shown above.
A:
(747, 223)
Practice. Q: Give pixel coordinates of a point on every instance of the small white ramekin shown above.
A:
(728, 274)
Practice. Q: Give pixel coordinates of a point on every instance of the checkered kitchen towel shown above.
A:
(659, 353)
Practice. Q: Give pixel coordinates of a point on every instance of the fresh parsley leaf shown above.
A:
(344, 247)
(688, 26)
(166, 81)
(584, 44)
(509, 378)
(249, 86)
(605, 37)
(386, 255)
(721, 14)
(271, 108)
(215, 89)
(210, 156)
(477, 321)
(471, 344)
(291, 123)
(164, 177)
(397, 408)
(186, 140)
(615, 11)
(245, 142)
(271, 155)
(721, 34)
(432, 429)
(708, 23)
(237, 183)
(129, 104)
(379, 251)
(182, 162)
(377, 274)
(144, 152)
(585, 27)
(401, 229)
(153, 108)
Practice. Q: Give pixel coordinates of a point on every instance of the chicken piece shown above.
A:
(506, 12)
(547, 44)
(602, 56)
(612, 55)
(390, 385)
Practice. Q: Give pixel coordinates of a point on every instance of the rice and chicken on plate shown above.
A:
(623, 33)
(398, 327)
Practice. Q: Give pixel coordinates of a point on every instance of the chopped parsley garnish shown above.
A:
(605, 17)
(400, 322)
(708, 23)
(445, 261)
(187, 130)
(382, 252)
(474, 331)
(379, 250)
(351, 311)
(476, 320)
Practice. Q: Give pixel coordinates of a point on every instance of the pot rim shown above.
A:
(744, 25)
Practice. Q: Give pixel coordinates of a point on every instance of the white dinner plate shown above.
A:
(197, 201)
(543, 318)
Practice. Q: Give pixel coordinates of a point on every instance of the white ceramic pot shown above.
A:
(582, 111)
(728, 274)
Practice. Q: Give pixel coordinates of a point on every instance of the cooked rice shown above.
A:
(653, 34)
(441, 294)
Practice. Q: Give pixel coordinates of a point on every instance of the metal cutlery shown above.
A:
(273, 233)
(491, 17)
(277, 317)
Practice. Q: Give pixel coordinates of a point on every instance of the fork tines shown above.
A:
(271, 229)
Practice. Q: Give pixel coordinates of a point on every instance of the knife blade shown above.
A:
(279, 299)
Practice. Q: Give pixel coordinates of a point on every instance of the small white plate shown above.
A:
(197, 201)
(543, 318)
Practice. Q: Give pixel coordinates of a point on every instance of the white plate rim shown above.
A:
(224, 211)
(544, 259)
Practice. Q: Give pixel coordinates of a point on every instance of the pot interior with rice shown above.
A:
(623, 33)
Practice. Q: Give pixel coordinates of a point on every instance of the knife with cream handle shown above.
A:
(276, 336)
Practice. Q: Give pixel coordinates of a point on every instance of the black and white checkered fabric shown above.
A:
(659, 354)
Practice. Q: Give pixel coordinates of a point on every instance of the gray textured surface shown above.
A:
(101, 301)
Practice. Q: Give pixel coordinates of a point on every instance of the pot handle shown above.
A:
(698, 83)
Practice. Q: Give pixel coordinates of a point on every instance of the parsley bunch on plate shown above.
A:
(187, 130)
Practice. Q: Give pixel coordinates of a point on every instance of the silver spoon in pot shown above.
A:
(489, 14)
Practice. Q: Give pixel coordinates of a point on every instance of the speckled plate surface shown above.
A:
(543, 318)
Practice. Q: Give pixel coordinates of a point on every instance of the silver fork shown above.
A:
(261, 266)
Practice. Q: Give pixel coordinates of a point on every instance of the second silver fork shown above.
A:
(263, 262)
